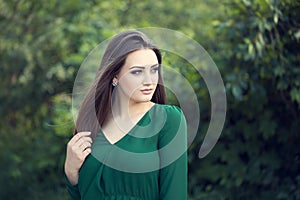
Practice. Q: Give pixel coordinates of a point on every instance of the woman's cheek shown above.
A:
(130, 85)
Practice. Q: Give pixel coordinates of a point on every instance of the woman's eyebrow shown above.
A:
(155, 65)
(143, 67)
(140, 67)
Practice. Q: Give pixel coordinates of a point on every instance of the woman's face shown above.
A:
(138, 77)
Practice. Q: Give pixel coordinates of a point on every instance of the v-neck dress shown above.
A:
(148, 163)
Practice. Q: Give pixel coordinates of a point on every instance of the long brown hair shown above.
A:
(97, 102)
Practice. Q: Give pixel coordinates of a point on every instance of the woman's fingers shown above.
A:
(79, 140)
(86, 152)
(83, 140)
(84, 145)
(79, 147)
(78, 137)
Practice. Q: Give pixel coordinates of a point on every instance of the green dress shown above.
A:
(149, 163)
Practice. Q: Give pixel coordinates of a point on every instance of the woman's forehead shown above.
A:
(142, 58)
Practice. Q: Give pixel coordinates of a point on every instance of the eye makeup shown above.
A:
(136, 70)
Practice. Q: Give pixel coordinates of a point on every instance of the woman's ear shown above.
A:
(115, 81)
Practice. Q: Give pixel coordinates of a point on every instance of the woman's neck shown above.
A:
(126, 109)
(125, 114)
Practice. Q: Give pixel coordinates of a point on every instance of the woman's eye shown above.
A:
(154, 70)
(136, 72)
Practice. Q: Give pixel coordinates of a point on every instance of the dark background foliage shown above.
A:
(255, 45)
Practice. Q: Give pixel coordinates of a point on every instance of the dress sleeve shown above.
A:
(173, 156)
(72, 190)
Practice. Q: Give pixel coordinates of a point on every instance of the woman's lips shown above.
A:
(146, 91)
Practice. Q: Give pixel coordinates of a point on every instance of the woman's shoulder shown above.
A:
(174, 122)
(171, 110)
(170, 114)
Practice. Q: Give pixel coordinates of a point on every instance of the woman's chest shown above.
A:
(130, 154)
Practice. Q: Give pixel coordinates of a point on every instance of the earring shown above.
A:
(114, 84)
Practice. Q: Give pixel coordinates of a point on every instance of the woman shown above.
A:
(128, 144)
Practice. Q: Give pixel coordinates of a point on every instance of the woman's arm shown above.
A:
(173, 180)
(73, 190)
(78, 148)
(173, 157)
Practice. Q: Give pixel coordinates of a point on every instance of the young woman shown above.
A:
(128, 145)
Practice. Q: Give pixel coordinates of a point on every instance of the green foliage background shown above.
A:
(255, 44)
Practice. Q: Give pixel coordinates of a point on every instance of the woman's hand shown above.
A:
(78, 148)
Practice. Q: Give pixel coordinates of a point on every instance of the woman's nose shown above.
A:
(147, 79)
